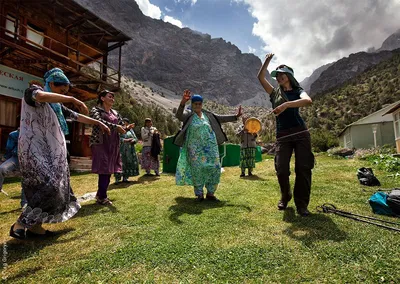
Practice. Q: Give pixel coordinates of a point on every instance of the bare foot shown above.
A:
(38, 229)
(18, 226)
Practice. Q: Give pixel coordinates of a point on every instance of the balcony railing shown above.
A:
(105, 73)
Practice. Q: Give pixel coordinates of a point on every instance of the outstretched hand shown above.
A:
(187, 94)
(279, 109)
(104, 128)
(82, 108)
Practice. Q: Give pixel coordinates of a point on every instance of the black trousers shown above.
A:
(304, 162)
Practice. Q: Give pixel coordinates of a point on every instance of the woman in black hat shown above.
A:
(291, 135)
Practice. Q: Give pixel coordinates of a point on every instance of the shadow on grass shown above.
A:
(16, 250)
(93, 208)
(253, 177)
(315, 227)
(123, 184)
(146, 178)
(193, 207)
(19, 210)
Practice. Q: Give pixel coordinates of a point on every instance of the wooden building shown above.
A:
(37, 35)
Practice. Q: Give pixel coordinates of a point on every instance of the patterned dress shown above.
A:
(43, 163)
(199, 162)
(106, 158)
(130, 163)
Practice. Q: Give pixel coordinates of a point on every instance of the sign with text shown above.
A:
(13, 83)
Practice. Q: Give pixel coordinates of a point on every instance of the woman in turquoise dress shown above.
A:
(130, 162)
(201, 133)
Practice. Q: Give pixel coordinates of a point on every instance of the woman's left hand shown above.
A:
(239, 113)
(279, 109)
(130, 126)
(104, 128)
(82, 108)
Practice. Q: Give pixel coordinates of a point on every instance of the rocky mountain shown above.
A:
(339, 73)
(176, 58)
(307, 82)
(392, 42)
(345, 69)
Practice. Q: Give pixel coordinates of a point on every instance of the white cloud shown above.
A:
(149, 9)
(307, 34)
(173, 21)
(252, 50)
(192, 2)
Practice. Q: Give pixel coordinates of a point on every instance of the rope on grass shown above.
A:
(330, 208)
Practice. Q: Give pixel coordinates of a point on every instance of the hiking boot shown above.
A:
(303, 212)
(282, 205)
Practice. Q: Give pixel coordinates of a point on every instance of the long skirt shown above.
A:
(44, 168)
(148, 162)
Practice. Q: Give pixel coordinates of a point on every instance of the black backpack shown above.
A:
(393, 200)
(366, 177)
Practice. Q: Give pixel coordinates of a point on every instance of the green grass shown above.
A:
(157, 233)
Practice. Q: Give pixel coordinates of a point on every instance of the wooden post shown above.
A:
(119, 66)
(2, 20)
(78, 52)
(16, 24)
(104, 69)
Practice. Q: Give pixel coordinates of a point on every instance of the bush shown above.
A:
(322, 140)
(385, 162)
(368, 154)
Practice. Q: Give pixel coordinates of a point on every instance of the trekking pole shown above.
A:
(330, 208)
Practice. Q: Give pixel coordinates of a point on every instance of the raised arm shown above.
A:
(181, 113)
(262, 73)
(229, 118)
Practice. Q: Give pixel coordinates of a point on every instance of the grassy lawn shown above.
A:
(157, 233)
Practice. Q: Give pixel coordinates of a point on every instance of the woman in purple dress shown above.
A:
(106, 158)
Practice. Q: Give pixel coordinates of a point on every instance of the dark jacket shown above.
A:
(97, 135)
(186, 116)
(247, 140)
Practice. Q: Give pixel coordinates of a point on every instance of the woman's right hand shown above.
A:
(268, 58)
(186, 96)
(120, 129)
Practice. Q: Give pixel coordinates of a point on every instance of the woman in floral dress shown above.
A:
(201, 133)
(130, 162)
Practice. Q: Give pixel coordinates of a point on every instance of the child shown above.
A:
(247, 149)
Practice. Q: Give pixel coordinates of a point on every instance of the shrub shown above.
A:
(322, 140)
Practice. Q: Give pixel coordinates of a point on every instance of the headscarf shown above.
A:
(197, 98)
(56, 75)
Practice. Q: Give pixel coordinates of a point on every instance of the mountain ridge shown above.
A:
(176, 58)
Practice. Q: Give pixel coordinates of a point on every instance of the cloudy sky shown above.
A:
(303, 34)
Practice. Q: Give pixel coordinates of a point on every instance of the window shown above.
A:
(35, 35)
(397, 125)
(10, 26)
